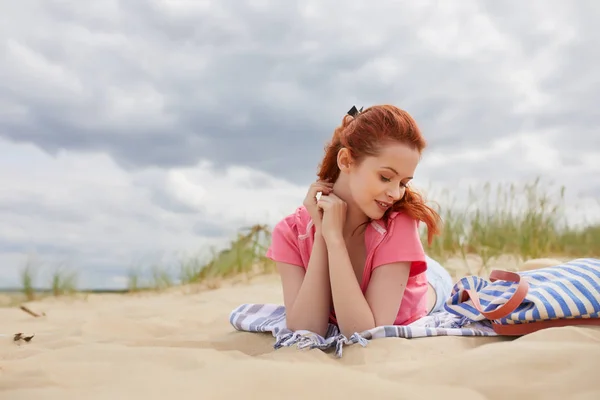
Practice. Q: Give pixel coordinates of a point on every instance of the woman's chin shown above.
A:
(374, 213)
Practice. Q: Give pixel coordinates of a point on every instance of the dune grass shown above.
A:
(526, 222)
(28, 280)
(245, 255)
(62, 281)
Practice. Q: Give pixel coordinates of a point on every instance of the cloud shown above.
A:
(172, 83)
(154, 126)
(86, 211)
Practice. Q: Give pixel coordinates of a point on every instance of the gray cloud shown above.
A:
(158, 85)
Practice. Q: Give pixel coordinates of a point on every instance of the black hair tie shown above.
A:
(354, 111)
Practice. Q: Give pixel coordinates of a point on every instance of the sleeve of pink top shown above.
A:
(284, 243)
(402, 244)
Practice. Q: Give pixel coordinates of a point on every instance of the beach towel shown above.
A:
(271, 318)
(519, 303)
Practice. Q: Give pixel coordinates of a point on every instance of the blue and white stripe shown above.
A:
(569, 290)
(271, 318)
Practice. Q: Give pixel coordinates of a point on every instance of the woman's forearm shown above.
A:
(352, 310)
(312, 305)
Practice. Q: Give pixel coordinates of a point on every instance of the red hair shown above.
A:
(364, 135)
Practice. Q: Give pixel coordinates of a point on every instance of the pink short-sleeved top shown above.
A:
(395, 241)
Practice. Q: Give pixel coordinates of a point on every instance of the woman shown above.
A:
(351, 255)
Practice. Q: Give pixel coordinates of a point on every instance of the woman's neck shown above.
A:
(354, 215)
(355, 222)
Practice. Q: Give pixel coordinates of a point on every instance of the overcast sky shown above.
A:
(133, 130)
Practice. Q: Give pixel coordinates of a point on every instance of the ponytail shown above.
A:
(414, 206)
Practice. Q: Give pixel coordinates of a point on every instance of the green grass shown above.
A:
(28, 273)
(61, 282)
(524, 222)
(245, 255)
(64, 282)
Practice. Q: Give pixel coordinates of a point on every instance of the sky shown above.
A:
(137, 131)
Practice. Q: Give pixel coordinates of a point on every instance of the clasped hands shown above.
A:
(328, 212)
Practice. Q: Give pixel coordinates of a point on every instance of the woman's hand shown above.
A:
(310, 202)
(334, 217)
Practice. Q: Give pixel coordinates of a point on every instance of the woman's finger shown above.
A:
(313, 197)
(317, 188)
(321, 184)
(324, 202)
(327, 197)
(324, 189)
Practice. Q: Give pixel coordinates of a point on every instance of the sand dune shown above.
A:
(180, 345)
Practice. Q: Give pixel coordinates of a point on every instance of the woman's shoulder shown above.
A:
(297, 223)
(399, 222)
(401, 242)
(287, 237)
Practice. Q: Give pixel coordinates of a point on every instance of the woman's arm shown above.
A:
(307, 295)
(355, 312)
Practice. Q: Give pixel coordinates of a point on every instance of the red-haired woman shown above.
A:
(353, 256)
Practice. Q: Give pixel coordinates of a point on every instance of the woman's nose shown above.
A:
(395, 193)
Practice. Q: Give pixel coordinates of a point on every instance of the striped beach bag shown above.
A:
(520, 303)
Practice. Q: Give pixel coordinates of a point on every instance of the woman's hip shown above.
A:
(440, 285)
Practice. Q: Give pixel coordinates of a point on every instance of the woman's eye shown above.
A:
(383, 178)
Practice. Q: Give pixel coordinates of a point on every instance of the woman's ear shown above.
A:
(344, 160)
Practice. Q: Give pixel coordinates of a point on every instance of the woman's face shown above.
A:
(378, 182)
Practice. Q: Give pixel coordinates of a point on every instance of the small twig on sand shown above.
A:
(19, 336)
(32, 313)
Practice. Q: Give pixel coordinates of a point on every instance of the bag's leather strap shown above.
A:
(511, 305)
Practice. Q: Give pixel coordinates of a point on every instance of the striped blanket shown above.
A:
(271, 318)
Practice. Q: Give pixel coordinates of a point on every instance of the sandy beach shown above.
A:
(179, 344)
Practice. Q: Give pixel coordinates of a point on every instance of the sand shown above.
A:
(179, 345)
